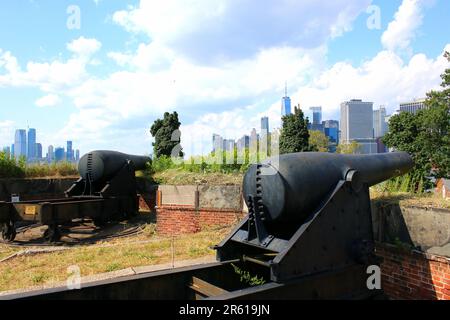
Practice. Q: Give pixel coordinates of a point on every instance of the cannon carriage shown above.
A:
(105, 191)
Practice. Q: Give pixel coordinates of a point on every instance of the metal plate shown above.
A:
(30, 210)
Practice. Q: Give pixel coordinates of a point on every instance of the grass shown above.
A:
(181, 177)
(143, 250)
(429, 200)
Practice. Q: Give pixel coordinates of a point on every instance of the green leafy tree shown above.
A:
(167, 136)
(425, 136)
(318, 141)
(294, 134)
(348, 148)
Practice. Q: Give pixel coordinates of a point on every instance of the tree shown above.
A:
(425, 136)
(294, 133)
(167, 136)
(348, 148)
(318, 141)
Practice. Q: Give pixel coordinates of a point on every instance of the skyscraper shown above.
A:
(50, 154)
(264, 125)
(20, 144)
(379, 122)
(59, 154)
(31, 155)
(285, 104)
(331, 130)
(317, 115)
(38, 151)
(357, 124)
(77, 155)
(217, 141)
(69, 154)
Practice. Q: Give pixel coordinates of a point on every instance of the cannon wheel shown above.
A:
(52, 234)
(8, 231)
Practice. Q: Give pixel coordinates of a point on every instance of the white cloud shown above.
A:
(403, 29)
(50, 77)
(216, 31)
(50, 100)
(84, 47)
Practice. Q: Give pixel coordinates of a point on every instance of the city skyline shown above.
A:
(25, 145)
(106, 81)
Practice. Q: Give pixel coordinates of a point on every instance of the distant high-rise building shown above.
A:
(77, 155)
(331, 130)
(50, 154)
(38, 151)
(12, 151)
(264, 125)
(253, 139)
(317, 115)
(357, 125)
(69, 152)
(20, 144)
(285, 104)
(379, 122)
(413, 106)
(31, 150)
(228, 145)
(217, 141)
(243, 143)
(59, 154)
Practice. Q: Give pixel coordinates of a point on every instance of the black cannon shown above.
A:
(105, 191)
(308, 235)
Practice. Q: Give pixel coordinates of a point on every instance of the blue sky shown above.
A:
(221, 64)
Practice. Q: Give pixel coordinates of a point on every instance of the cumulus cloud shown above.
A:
(215, 31)
(84, 47)
(403, 29)
(50, 76)
(50, 100)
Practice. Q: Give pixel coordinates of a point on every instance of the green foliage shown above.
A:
(227, 163)
(348, 148)
(318, 141)
(58, 169)
(247, 278)
(426, 136)
(167, 136)
(294, 134)
(9, 168)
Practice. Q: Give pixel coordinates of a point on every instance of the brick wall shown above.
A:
(175, 220)
(414, 275)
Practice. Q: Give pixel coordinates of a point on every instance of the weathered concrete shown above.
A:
(427, 229)
(178, 195)
(220, 197)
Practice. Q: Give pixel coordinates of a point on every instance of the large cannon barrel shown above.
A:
(292, 185)
(100, 165)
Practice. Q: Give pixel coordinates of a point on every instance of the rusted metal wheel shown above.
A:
(8, 231)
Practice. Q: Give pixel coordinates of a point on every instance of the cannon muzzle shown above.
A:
(101, 165)
(295, 184)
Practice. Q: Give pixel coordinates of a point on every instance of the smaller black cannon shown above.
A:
(105, 191)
